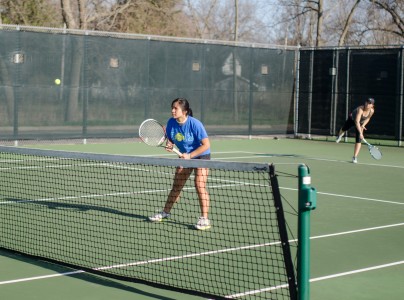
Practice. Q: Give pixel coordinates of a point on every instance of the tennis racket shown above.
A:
(374, 151)
(152, 133)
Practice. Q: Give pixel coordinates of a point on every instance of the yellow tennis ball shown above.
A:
(57, 81)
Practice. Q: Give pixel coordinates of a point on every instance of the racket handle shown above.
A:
(177, 152)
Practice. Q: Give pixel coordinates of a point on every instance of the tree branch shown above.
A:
(392, 10)
(347, 24)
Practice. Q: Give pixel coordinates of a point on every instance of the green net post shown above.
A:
(307, 202)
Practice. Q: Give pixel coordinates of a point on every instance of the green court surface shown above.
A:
(357, 249)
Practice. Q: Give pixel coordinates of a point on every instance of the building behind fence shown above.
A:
(110, 83)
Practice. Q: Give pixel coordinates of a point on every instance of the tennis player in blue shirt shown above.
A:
(189, 136)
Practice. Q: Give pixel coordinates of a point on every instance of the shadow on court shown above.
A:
(88, 277)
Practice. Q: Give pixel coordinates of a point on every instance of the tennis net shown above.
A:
(90, 212)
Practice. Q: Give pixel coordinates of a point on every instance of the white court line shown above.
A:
(171, 154)
(317, 279)
(302, 157)
(131, 193)
(357, 271)
(361, 198)
(232, 183)
(355, 231)
(145, 262)
(41, 277)
(268, 289)
(223, 251)
(333, 275)
(347, 196)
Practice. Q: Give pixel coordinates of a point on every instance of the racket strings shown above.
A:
(152, 133)
(375, 152)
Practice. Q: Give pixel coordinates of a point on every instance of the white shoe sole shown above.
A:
(202, 227)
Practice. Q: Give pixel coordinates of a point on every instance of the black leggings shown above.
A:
(349, 123)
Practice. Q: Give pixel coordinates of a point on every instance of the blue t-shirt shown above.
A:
(188, 136)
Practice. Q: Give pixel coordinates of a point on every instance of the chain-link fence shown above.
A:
(110, 83)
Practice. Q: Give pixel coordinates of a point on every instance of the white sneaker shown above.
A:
(159, 217)
(203, 224)
(339, 139)
(354, 160)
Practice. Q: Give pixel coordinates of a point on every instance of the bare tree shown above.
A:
(201, 15)
(142, 16)
(236, 20)
(73, 12)
(395, 11)
(298, 19)
(295, 22)
(348, 21)
(214, 19)
(374, 22)
(341, 23)
(320, 18)
(69, 10)
(29, 12)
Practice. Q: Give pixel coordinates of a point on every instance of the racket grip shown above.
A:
(177, 152)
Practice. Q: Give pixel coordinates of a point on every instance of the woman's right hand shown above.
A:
(169, 146)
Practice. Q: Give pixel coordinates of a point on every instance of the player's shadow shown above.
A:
(173, 223)
(85, 207)
(98, 279)
(75, 207)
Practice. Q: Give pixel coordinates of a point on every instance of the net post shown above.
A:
(307, 202)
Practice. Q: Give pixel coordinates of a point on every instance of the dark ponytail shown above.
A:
(184, 105)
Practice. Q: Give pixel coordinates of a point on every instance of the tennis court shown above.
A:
(356, 232)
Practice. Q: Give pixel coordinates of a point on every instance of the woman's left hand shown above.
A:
(186, 156)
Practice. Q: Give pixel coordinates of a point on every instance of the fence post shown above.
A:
(401, 96)
(307, 202)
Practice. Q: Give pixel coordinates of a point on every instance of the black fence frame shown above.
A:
(333, 81)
